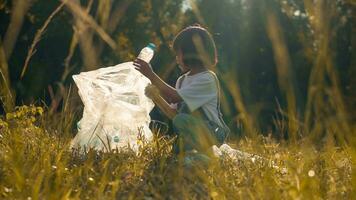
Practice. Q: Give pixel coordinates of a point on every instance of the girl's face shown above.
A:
(179, 59)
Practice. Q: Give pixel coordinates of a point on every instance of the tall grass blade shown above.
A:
(6, 96)
(325, 113)
(38, 36)
(285, 78)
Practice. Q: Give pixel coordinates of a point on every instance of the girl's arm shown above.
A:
(152, 92)
(169, 93)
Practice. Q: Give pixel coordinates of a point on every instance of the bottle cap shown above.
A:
(151, 46)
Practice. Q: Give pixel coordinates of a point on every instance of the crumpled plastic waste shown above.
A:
(116, 110)
(225, 151)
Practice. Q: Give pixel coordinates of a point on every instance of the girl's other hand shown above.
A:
(143, 67)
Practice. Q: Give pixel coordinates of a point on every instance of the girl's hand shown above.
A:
(143, 67)
(151, 91)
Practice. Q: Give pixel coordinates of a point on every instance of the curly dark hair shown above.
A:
(197, 46)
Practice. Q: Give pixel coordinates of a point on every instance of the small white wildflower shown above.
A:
(29, 198)
(66, 169)
(284, 170)
(8, 190)
(253, 159)
(91, 179)
(311, 173)
(297, 13)
(54, 167)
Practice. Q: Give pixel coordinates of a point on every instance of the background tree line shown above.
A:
(286, 67)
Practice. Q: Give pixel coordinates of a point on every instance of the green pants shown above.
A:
(193, 133)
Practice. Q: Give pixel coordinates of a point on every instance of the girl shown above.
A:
(196, 117)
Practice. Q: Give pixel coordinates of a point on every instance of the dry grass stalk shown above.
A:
(248, 122)
(72, 47)
(81, 14)
(85, 36)
(81, 36)
(74, 42)
(18, 13)
(285, 78)
(6, 96)
(37, 38)
(325, 110)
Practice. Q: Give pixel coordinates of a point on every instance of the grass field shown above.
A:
(319, 156)
(35, 163)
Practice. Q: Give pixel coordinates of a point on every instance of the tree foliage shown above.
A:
(87, 34)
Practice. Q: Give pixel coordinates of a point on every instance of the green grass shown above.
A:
(35, 163)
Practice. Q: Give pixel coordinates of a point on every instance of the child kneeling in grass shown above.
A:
(196, 116)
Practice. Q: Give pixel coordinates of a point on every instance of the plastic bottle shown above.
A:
(147, 53)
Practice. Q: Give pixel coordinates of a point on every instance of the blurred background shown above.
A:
(286, 67)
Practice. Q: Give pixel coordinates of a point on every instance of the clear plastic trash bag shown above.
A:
(116, 109)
